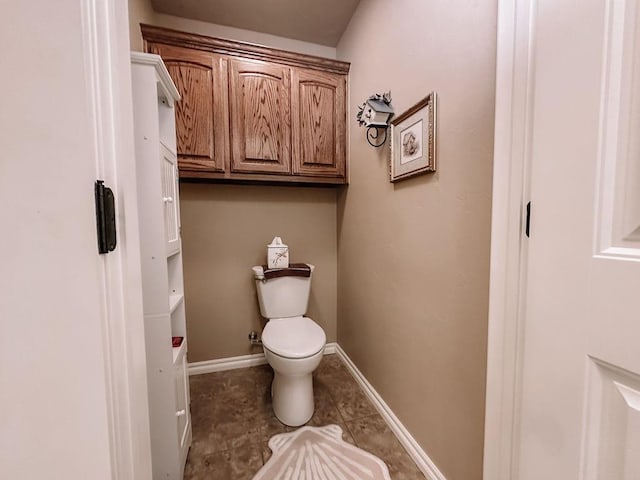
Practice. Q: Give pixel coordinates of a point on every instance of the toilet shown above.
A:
(293, 344)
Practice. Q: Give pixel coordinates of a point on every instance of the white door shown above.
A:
(579, 411)
(182, 403)
(72, 371)
(170, 189)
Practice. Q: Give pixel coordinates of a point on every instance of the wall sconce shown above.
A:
(375, 114)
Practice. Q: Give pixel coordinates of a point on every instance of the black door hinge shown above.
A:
(105, 218)
(528, 222)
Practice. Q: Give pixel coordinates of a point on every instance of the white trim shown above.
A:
(242, 361)
(509, 248)
(166, 85)
(106, 54)
(222, 364)
(331, 348)
(419, 456)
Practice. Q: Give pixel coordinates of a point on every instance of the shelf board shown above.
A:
(174, 301)
(178, 351)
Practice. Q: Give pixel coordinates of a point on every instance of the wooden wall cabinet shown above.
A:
(259, 117)
(201, 116)
(254, 114)
(318, 123)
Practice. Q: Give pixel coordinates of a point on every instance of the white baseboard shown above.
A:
(424, 463)
(243, 361)
(330, 348)
(231, 363)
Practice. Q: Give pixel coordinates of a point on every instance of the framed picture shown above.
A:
(413, 140)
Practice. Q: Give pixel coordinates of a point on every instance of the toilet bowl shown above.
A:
(293, 347)
(293, 344)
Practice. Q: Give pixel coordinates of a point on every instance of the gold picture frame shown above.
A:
(413, 140)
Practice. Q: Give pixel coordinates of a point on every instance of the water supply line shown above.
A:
(254, 338)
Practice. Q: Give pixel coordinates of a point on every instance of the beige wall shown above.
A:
(225, 230)
(222, 31)
(140, 11)
(414, 257)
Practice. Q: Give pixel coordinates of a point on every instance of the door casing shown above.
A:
(512, 154)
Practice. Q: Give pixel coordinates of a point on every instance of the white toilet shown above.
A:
(292, 343)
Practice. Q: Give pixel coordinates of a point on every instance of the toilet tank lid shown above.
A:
(261, 272)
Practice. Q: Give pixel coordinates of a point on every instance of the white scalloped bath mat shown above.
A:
(319, 453)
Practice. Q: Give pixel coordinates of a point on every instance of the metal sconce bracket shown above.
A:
(373, 135)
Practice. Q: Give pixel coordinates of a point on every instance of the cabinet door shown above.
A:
(318, 123)
(169, 171)
(183, 416)
(260, 117)
(201, 114)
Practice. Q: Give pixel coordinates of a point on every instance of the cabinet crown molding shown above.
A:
(245, 50)
(166, 85)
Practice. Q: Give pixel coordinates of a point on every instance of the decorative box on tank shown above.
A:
(277, 254)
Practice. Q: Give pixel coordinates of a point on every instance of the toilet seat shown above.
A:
(294, 337)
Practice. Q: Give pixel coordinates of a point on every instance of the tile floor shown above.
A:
(233, 421)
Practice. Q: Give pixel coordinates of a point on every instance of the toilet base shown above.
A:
(292, 399)
(292, 387)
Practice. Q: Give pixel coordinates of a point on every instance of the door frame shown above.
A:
(106, 48)
(509, 246)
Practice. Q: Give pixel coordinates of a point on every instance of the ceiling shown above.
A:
(316, 21)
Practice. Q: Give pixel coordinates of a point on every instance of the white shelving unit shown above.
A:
(154, 95)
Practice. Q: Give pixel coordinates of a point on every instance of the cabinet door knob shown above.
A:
(167, 199)
(181, 413)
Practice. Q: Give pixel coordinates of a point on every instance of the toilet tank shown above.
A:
(282, 297)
